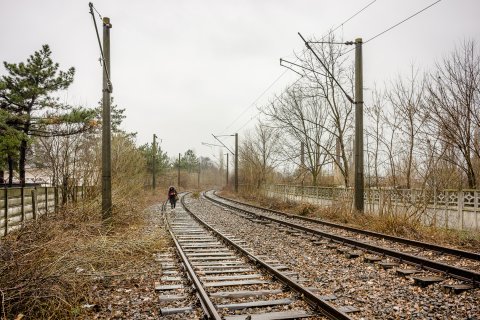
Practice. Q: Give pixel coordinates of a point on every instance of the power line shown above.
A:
(255, 101)
(404, 20)
(259, 112)
(353, 16)
(396, 25)
(284, 72)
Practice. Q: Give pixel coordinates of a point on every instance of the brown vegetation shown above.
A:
(388, 223)
(51, 268)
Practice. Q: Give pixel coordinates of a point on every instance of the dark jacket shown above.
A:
(172, 193)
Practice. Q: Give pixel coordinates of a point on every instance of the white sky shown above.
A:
(185, 69)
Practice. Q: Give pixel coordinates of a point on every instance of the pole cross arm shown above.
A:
(233, 153)
(307, 44)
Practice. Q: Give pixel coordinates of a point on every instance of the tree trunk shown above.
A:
(314, 177)
(2, 177)
(22, 161)
(10, 171)
(410, 160)
(471, 175)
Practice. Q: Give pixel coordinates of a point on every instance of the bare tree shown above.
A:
(407, 98)
(327, 88)
(317, 112)
(260, 153)
(453, 106)
(375, 130)
(303, 119)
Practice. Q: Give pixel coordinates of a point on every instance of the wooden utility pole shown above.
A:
(199, 169)
(178, 175)
(236, 162)
(106, 131)
(359, 179)
(227, 169)
(154, 151)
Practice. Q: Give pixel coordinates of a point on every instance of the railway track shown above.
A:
(458, 264)
(356, 231)
(214, 273)
(369, 283)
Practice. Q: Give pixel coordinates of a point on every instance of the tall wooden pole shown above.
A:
(236, 162)
(154, 151)
(199, 169)
(359, 188)
(178, 175)
(227, 169)
(106, 131)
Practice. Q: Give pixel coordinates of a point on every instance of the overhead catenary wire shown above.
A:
(397, 24)
(404, 20)
(260, 111)
(350, 18)
(255, 101)
(284, 72)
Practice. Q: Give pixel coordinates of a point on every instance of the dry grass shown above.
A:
(404, 226)
(47, 268)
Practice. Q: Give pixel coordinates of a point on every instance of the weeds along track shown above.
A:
(213, 275)
(374, 280)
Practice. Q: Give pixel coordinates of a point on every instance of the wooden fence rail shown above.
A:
(18, 205)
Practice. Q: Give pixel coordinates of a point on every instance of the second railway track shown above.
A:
(332, 268)
(463, 265)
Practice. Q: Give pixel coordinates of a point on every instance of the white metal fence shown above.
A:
(446, 208)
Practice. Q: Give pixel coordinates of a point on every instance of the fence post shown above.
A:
(476, 209)
(34, 204)
(22, 202)
(46, 200)
(55, 198)
(5, 204)
(447, 200)
(460, 206)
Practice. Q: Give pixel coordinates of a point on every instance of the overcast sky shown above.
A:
(186, 69)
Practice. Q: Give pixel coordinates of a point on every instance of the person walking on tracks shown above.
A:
(172, 197)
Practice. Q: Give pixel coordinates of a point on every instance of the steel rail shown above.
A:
(314, 301)
(420, 244)
(208, 305)
(459, 273)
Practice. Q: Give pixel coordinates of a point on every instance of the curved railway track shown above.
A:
(415, 243)
(345, 276)
(214, 262)
(469, 277)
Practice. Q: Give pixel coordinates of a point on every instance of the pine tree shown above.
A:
(26, 94)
